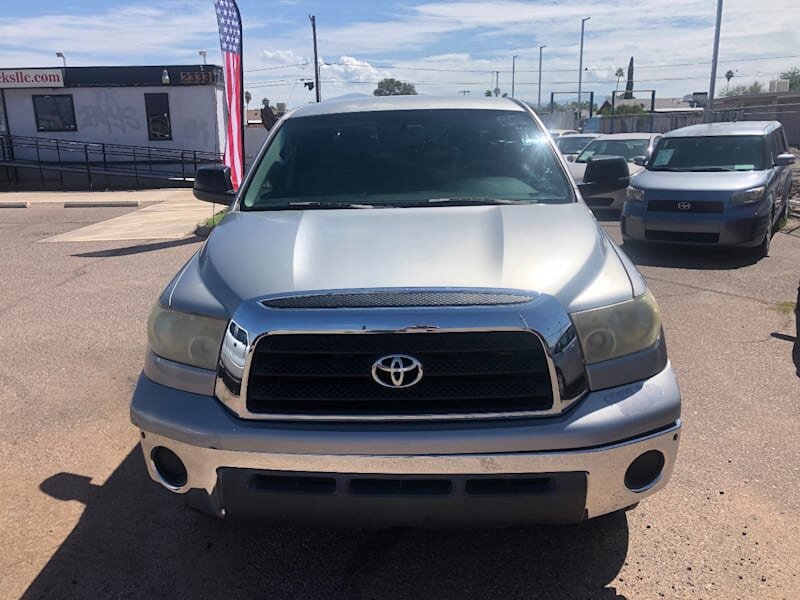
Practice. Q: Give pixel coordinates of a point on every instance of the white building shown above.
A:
(155, 108)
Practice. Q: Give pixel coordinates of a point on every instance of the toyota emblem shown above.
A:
(684, 205)
(397, 371)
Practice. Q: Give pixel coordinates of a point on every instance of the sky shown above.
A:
(444, 47)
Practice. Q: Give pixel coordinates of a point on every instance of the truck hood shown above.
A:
(554, 249)
(727, 181)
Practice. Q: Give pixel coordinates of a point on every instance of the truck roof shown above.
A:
(419, 102)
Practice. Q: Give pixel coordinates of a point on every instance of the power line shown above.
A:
(278, 67)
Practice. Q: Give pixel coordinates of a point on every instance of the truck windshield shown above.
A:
(712, 153)
(407, 158)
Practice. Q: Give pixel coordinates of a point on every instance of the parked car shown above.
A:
(630, 146)
(558, 133)
(571, 145)
(408, 317)
(719, 183)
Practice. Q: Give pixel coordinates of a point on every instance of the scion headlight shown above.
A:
(634, 194)
(749, 196)
(619, 329)
(185, 338)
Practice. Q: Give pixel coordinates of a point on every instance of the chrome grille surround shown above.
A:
(543, 316)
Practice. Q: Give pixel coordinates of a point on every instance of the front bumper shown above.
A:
(737, 226)
(553, 470)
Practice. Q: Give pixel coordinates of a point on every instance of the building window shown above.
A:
(54, 113)
(158, 121)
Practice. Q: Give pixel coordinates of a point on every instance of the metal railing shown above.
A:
(96, 159)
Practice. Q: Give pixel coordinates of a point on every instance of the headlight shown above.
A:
(185, 338)
(635, 194)
(619, 329)
(749, 196)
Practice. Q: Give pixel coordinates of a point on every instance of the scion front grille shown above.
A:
(330, 375)
(693, 207)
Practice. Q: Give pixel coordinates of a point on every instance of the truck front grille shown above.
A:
(464, 373)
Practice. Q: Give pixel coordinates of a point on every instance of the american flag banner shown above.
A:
(230, 40)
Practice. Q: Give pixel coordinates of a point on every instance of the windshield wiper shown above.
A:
(313, 205)
(471, 200)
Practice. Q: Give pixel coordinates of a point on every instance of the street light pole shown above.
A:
(580, 71)
(513, 72)
(539, 104)
(62, 57)
(708, 113)
(203, 53)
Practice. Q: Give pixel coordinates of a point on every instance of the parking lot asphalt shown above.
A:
(80, 519)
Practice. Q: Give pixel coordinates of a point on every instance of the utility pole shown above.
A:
(313, 20)
(709, 111)
(513, 72)
(539, 109)
(497, 83)
(580, 71)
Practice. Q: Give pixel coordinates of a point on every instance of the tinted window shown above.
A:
(54, 113)
(406, 157)
(159, 126)
(713, 153)
(625, 148)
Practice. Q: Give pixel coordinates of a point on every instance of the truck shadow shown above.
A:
(137, 541)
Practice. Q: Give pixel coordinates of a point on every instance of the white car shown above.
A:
(572, 145)
(628, 145)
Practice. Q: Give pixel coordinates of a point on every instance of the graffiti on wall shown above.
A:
(198, 130)
(107, 113)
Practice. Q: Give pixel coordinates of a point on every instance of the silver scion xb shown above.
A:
(720, 183)
(408, 317)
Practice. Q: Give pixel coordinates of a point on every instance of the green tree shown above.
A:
(619, 75)
(623, 109)
(793, 75)
(743, 90)
(265, 102)
(488, 93)
(247, 98)
(728, 76)
(394, 87)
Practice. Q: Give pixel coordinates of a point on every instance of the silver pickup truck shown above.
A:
(408, 317)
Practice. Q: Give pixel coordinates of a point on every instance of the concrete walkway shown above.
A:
(175, 215)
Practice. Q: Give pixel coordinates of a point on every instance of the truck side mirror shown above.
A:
(605, 174)
(213, 184)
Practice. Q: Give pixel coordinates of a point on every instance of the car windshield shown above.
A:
(712, 153)
(572, 144)
(628, 149)
(407, 158)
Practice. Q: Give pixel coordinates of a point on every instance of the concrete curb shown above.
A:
(203, 231)
(15, 204)
(102, 204)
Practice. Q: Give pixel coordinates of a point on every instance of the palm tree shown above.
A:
(247, 98)
(619, 75)
(728, 75)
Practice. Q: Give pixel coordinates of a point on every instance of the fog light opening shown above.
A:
(645, 471)
(169, 467)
